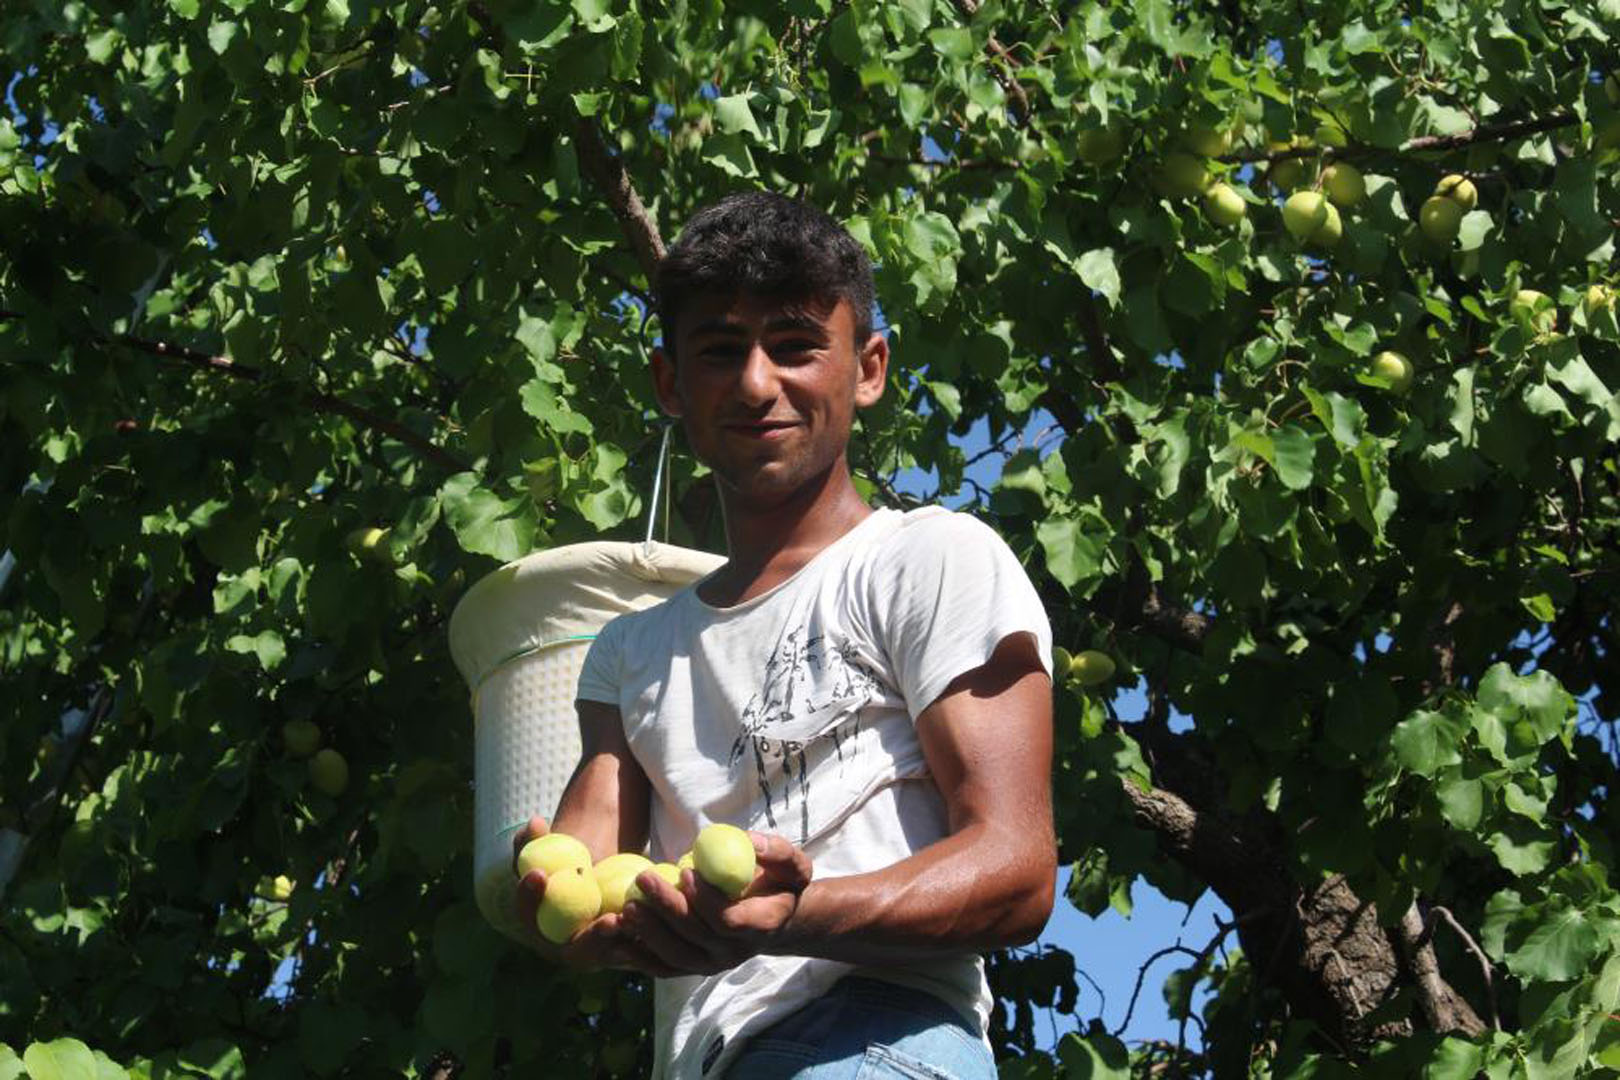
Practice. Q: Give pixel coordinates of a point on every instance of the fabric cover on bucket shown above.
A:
(518, 637)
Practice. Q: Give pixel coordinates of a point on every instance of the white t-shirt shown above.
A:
(794, 713)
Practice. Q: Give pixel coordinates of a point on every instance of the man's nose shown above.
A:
(756, 382)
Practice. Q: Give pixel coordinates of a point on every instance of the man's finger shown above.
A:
(531, 889)
(707, 902)
(534, 828)
(782, 864)
(606, 943)
(650, 929)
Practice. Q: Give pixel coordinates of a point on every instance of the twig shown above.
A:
(1485, 969)
(1507, 132)
(322, 400)
(1009, 85)
(946, 163)
(1102, 998)
(1141, 974)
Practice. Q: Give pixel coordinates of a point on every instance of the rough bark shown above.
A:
(1321, 945)
(612, 180)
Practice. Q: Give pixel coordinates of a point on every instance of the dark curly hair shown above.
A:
(762, 244)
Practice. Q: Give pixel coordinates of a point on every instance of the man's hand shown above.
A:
(697, 930)
(601, 943)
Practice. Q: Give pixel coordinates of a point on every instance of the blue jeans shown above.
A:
(865, 1029)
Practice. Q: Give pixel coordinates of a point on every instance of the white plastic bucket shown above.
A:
(519, 637)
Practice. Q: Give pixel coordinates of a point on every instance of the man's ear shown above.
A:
(663, 373)
(872, 370)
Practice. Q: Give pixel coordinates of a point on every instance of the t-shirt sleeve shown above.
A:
(944, 593)
(601, 672)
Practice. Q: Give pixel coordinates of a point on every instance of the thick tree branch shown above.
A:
(1443, 1008)
(610, 175)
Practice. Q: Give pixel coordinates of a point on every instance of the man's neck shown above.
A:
(767, 544)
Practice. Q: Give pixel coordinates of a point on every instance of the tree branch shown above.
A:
(1485, 969)
(1179, 626)
(1443, 1008)
(1443, 645)
(320, 399)
(1097, 347)
(1009, 85)
(1516, 129)
(610, 175)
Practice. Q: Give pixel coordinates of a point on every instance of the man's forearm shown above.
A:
(974, 891)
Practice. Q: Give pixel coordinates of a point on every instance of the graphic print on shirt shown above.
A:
(809, 702)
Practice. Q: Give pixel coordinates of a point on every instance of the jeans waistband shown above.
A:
(866, 990)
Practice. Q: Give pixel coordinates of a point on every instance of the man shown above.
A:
(867, 691)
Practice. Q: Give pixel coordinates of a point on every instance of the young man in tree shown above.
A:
(868, 692)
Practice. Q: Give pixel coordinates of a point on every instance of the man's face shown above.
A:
(767, 390)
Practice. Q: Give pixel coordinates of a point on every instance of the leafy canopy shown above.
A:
(276, 271)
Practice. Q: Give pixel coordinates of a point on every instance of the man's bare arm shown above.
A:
(989, 883)
(605, 805)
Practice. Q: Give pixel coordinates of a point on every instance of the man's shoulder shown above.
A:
(651, 617)
(931, 526)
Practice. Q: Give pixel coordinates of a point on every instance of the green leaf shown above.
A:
(952, 42)
(541, 401)
(1096, 1056)
(734, 117)
(1540, 607)
(1295, 454)
(1536, 698)
(1501, 910)
(1022, 472)
(60, 1059)
(596, 15)
(1426, 741)
(930, 235)
(483, 522)
(1522, 848)
(11, 1066)
(1560, 947)
(729, 154)
(101, 45)
(1476, 227)
(1462, 801)
(1454, 1059)
(221, 32)
(1074, 555)
(1167, 32)
(214, 1057)
(266, 645)
(1096, 268)
(1344, 419)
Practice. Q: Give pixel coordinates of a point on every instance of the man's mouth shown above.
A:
(763, 429)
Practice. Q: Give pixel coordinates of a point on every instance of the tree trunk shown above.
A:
(1321, 945)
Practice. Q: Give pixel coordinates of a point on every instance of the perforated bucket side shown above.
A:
(527, 747)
